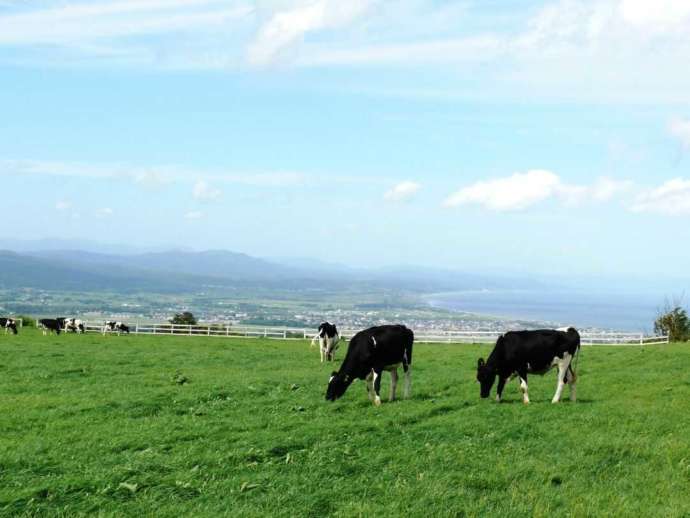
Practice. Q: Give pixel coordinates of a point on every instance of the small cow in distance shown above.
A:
(328, 338)
(10, 324)
(522, 352)
(112, 325)
(50, 325)
(73, 324)
(370, 352)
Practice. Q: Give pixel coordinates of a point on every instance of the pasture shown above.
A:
(195, 426)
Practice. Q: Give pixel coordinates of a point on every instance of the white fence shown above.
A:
(421, 335)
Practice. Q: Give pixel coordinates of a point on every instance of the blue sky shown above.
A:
(509, 136)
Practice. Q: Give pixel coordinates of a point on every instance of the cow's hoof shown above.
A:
(555, 401)
(377, 401)
(526, 402)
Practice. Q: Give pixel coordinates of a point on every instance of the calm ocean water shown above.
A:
(613, 311)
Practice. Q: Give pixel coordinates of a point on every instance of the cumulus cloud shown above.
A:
(287, 27)
(402, 191)
(194, 214)
(523, 190)
(671, 197)
(63, 205)
(515, 192)
(680, 129)
(202, 191)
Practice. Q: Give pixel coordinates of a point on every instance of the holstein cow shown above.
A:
(50, 325)
(328, 338)
(537, 352)
(9, 324)
(372, 351)
(112, 325)
(73, 324)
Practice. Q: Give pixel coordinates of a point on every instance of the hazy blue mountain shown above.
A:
(179, 270)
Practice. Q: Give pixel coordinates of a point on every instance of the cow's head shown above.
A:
(486, 377)
(337, 385)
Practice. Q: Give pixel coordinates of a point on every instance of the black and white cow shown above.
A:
(112, 325)
(370, 352)
(72, 324)
(328, 339)
(9, 324)
(50, 325)
(537, 352)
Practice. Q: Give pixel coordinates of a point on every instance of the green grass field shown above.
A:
(181, 426)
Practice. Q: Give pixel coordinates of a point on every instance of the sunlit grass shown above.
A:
(174, 426)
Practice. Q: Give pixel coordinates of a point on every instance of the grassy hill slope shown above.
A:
(181, 426)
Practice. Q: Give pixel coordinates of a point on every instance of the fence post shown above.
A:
(136, 328)
(227, 330)
(284, 334)
(208, 330)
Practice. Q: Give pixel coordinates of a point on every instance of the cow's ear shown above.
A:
(480, 363)
(334, 373)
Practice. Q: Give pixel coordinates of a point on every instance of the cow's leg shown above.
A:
(321, 351)
(377, 387)
(522, 375)
(499, 388)
(407, 390)
(572, 380)
(563, 365)
(394, 384)
(370, 388)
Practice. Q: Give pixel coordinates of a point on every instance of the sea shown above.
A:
(629, 312)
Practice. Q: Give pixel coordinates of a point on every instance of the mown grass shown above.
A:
(180, 426)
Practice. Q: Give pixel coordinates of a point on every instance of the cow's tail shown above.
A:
(572, 332)
(409, 341)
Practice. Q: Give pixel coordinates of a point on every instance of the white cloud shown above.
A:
(680, 129)
(658, 13)
(671, 197)
(194, 214)
(287, 27)
(150, 177)
(523, 190)
(402, 191)
(515, 192)
(104, 212)
(63, 205)
(202, 191)
(79, 23)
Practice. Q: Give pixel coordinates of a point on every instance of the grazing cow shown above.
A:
(537, 352)
(9, 324)
(112, 325)
(73, 325)
(372, 351)
(328, 338)
(50, 325)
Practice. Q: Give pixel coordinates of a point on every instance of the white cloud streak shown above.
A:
(287, 27)
(194, 214)
(680, 129)
(671, 197)
(150, 177)
(73, 24)
(403, 191)
(202, 191)
(524, 190)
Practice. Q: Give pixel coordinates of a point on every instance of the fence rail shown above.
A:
(295, 333)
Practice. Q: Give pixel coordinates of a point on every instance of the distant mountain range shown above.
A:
(185, 271)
